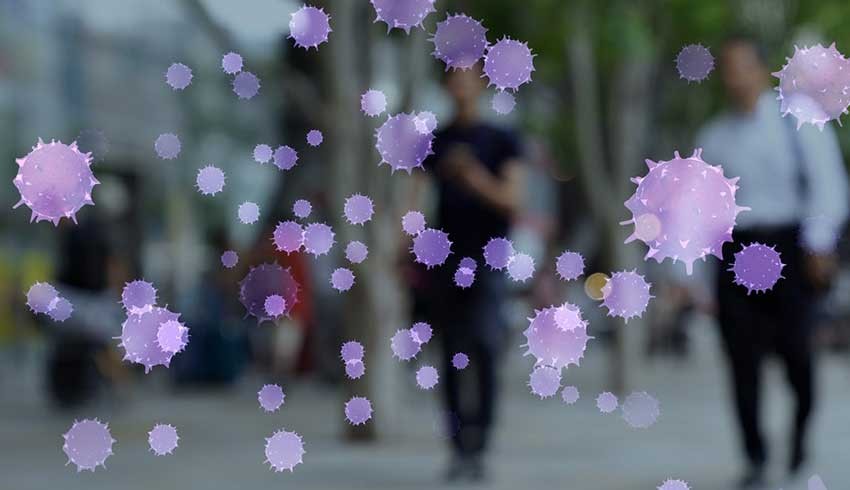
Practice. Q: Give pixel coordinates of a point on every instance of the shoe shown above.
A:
(753, 479)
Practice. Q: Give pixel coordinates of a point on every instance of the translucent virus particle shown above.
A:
(172, 336)
(606, 402)
(427, 377)
(351, 351)
(248, 212)
(356, 252)
(41, 297)
(373, 102)
(167, 146)
(459, 41)
(626, 295)
(694, 205)
(401, 145)
(358, 209)
(62, 310)
(309, 27)
(814, 85)
(288, 236)
(246, 85)
(210, 180)
(413, 222)
(178, 76)
(284, 450)
(816, 483)
(569, 265)
(464, 277)
(285, 157)
(229, 259)
(694, 62)
(138, 296)
(503, 102)
(404, 345)
(139, 338)
(674, 485)
(318, 239)
(757, 267)
(521, 267)
(271, 398)
(342, 279)
(402, 14)
(302, 208)
(422, 332)
(231, 63)
(358, 410)
(468, 263)
(262, 153)
(640, 410)
(93, 141)
(460, 361)
(552, 345)
(275, 305)
(508, 64)
(55, 180)
(498, 253)
(425, 122)
(263, 281)
(355, 369)
(545, 381)
(569, 395)
(88, 443)
(162, 439)
(431, 247)
(315, 137)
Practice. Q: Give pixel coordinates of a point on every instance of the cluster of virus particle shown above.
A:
(607, 402)
(816, 483)
(569, 265)
(425, 122)
(355, 369)
(178, 76)
(172, 336)
(263, 281)
(757, 267)
(315, 137)
(210, 180)
(138, 296)
(460, 361)
(271, 398)
(569, 395)
(814, 85)
(262, 153)
(626, 295)
(318, 239)
(464, 277)
(139, 338)
(229, 259)
(694, 63)
(351, 351)
(422, 332)
(373, 102)
(284, 450)
(431, 247)
(692, 206)
(248, 212)
(498, 253)
(508, 64)
(358, 209)
(521, 267)
(545, 381)
(459, 41)
(402, 14)
(674, 485)
(427, 377)
(404, 345)
(55, 180)
(162, 439)
(342, 279)
(413, 222)
(288, 236)
(43, 298)
(503, 102)
(167, 146)
(285, 157)
(309, 27)
(358, 410)
(302, 208)
(640, 410)
(246, 85)
(401, 145)
(231, 63)
(87, 444)
(554, 345)
(356, 252)
(275, 305)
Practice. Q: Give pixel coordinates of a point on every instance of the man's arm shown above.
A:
(502, 192)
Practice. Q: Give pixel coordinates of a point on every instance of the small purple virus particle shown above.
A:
(640, 410)
(694, 62)
(263, 281)
(459, 42)
(87, 444)
(309, 27)
(210, 180)
(358, 209)
(674, 485)
(41, 297)
(521, 267)
(814, 85)
(139, 338)
(231, 63)
(545, 381)
(342, 279)
(318, 239)
(469, 263)
(284, 450)
(355, 369)
(431, 247)
(55, 181)
(422, 332)
(62, 310)
(229, 259)
(271, 398)
(315, 137)
(288, 236)
(248, 212)
(138, 296)
(356, 252)
(262, 153)
(162, 439)
(694, 204)
(351, 351)
(275, 305)
(460, 361)
(285, 157)
(425, 122)
(569, 265)
(246, 85)
(606, 402)
(401, 145)
(816, 483)
(302, 208)
(402, 14)
(757, 267)
(567, 316)
(167, 146)
(498, 253)
(503, 102)
(464, 277)
(178, 76)
(552, 345)
(508, 64)
(413, 222)
(358, 410)
(427, 377)
(373, 103)
(172, 336)
(626, 295)
(569, 395)
(404, 345)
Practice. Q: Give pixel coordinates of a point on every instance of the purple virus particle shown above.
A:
(569, 265)
(694, 62)
(356, 252)
(460, 361)
(288, 236)
(427, 377)
(503, 102)
(498, 253)
(413, 222)
(425, 122)
(139, 338)
(431, 247)
(342, 279)
(55, 180)
(674, 485)
(358, 209)
(167, 146)
(246, 85)
(262, 153)
(138, 296)
(508, 64)
(521, 267)
(814, 85)
(552, 345)
(816, 483)
(88, 444)
(162, 439)
(404, 345)
(231, 63)
(210, 180)
(422, 332)
(626, 295)
(263, 281)
(373, 103)
(358, 410)
(694, 205)
(569, 395)
(469, 263)
(42, 297)
(401, 145)
(351, 351)
(172, 336)
(284, 450)
(402, 14)
(315, 137)
(285, 157)
(545, 381)
(229, 259)
(606, 402)
(271, 398)
(248, 212)
(567, 316)
(309, 27)
(302, 208)
(757, 267)
(640, 410)
(355, 369)
(275, 305)
(464, 277)
(318, 239)
(459, 42)
(178, 76)
(62, 310)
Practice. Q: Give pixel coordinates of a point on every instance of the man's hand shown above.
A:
(462, 167)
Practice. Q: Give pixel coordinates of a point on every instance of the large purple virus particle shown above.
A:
(503, 102)
(400, 143)
(248, 212)
(285, 157)
(460, 361)
(427, 377)
(425, 122)
(167, 146)
(288, 236)
(356, 252)
(309, 27)
(464, 277)
(315, 137)
(178, 76)
(246, 85)
(413, 222)
(521, 267)
(302, 208)
(275, 306)
(62, 310)
(694, 62)
(404, 345)
(814, 85)
(508, 64)
(460, 41)
(358, 209)
(351, 351)
(229, 259)
(552, 345)
(210, 180)
(342, 279)
(607, 402)
(355, 369)
(373, 103)
(422, 332)
(318, 239)
(640, 410)
(402, 14)
(55, 180)
(139, 338)
(569, 265)
(87, 444)
(262, 153)
(138, 296)
(545, 381)
(263, 281)
(626, 295)
(569, 395)
(231, 63)
(162, 439)
(674, 485)
(358, 410)
(172, 336)
(271, 398)
(284, 450)
(42, 297)
(757, 267)
(431, 247)
(498, 253)
(693, 205)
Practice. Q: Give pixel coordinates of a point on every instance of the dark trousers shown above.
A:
(775, 321)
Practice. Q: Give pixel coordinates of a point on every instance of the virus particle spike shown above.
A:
(404, 345)
(694, 62)
(284, 450)
(358, 410)
(302, 208)
(262, 153)
(431, 247)
(178, 76)
(285, 157)
(167, 146)
(210, 180)
(271, 398)
(315, 137)
(318, 239)
(42, 297)
(62, 310)
(425, 122)
(356, 252)
(569, 395)
(351, 351)
(626, 295)
(55, 181)
(288, 236)
(400, 143)
(246, 85)
(464, 277)
(342, 279)
(139, 338)
(309, 27)
(508, 64)
(544, 381)
(355, 369)
(402, 14)
(521, 267)
(606, 402)
(459, 42)
(640, 410)
(248, 212)
(358, 209)
(427, 377)
(229, 259)
(757, 267)
(263, 281)
(460, 361)
(422, 332)
(503, 102)
(172, 336)
(274, 306)
(552, 345)
(413, 222)
(88, 443)
(674, 485)
(373, 103)
(569, 265)
(162, 439)
(498, 253)
(231, 63)
(138, 296)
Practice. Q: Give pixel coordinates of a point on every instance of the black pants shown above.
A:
(756, 324)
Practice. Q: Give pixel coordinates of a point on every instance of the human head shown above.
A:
(464, 87)
(743, 70)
